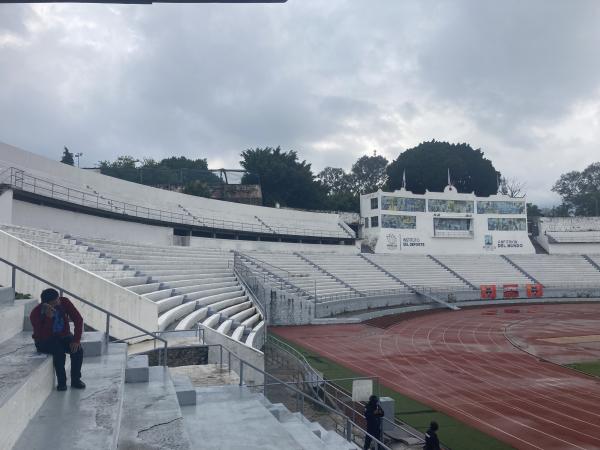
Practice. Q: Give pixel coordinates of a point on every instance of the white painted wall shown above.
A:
(6, 207)
(576, 225)
(80, 224)
(421, 240)
(138, 194)
(80, 282)
(263, 246)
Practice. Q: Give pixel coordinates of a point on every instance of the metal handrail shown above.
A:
(349, 424)
(95, 200)
(15, 268)
(253, 296)
(259, 263)
(303, 361)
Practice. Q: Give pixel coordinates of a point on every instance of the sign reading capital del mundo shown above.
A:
(446, 222)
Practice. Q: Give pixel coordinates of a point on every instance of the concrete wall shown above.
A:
(138, 194)
(6, 207)
(80, 224)
(576, 225)
(72, 278)
(249, 355)
(262, 246)
(332, 308)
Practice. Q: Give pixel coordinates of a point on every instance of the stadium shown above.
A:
(213, 324)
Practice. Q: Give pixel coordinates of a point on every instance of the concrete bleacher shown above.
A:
(47, 178)
(252, 422)
(145, 410)
(357, 273)
(484, 269)
(558, 270)
(189, 285)
(419, 271)
(301, 274)
(573, 236)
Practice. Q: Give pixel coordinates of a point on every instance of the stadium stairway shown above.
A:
(248, 420)
(190, 285)
(419, 271)
(299, 274)
(128, 405)
(484, 269)
(357, 273)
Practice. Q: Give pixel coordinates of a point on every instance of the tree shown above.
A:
(122, 162)
(369, 174)
(197, 188)
(284, 179)
(580, 191)
(341, 194)
(534, 210)
(427, 165)
(67, 157)
(335, 180)
(512, 187)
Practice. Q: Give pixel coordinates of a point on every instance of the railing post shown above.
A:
(221, 356)
(13, 278)
(228, 361)
(241, 372)
(107, 330)
(166, 355)
(348, 430)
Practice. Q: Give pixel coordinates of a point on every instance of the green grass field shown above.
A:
(453, 433)
(591, 368)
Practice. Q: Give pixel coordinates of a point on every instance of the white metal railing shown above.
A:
(336, 395)
(163, 356)
(344, 425)
(19, 179)
(453, 233)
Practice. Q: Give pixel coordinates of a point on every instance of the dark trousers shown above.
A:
(58, 346)
(369, 439)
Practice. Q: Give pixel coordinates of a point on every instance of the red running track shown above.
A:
(465, 364)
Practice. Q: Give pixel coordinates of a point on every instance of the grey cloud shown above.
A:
(332, 80)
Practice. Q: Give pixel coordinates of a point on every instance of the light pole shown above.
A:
(77, 155)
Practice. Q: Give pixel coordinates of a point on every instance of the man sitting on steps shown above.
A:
(52, 335)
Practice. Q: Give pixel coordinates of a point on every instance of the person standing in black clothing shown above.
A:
(431, 440)
(373, 414)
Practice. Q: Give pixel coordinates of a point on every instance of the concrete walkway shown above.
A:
(229, 417)
(82, 419)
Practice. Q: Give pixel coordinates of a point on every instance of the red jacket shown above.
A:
(42, 325)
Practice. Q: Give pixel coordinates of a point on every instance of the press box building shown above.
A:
(446, 222)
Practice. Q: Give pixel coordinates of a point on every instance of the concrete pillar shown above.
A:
(389, 408)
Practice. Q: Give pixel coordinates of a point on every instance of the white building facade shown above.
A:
(446, 222)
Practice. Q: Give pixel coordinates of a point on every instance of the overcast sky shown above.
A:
(331, 79)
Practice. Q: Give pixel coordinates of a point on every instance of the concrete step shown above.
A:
(151, 417)
(92, 343)
(247, 422)
(186, 394)
(188, 322)
(27, 380)
(143, 288)
(137, 369)
(7, 295)
(87, 418)
(13, 317)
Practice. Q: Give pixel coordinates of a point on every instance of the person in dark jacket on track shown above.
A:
(431, 440)
(373, 414)
(52, 335)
